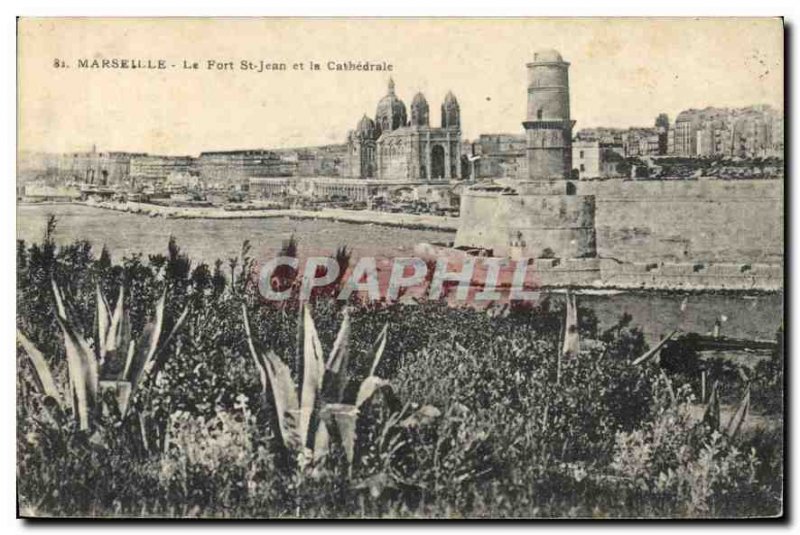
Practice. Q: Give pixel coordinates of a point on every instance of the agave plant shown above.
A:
(711, 413)
(319, 401)
(740, 415)
(86, 361)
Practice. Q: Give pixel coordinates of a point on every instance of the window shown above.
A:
(583, 168)
(581, 155)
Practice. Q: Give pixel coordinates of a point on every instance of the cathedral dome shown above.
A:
(420, 111)
(548, 55)
(391, 112)
(366, 128)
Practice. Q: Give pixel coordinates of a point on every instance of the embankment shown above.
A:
(412, 221)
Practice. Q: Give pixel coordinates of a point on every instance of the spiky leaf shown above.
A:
(336, 374)
(146, 346)
(119, 327)
(257, 359)
(285, 400)
(102, 325)
(322, 442)
(81, 365)
(738, 418)
(571, 346)
(377, 349)
(370, 387)
(711, 412)
(44, 377)
(158, 359)
(313, 372)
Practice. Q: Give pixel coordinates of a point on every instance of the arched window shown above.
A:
(539, 114)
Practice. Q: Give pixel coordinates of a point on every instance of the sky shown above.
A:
(623, 73)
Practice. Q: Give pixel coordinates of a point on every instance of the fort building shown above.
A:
(621, 233)
(540, 215)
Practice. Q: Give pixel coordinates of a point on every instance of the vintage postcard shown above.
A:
(400, 268)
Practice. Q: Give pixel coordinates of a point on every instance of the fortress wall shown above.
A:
(689, 221)
(707, 188)
(703, 221)
(483, 221)
(541, 225)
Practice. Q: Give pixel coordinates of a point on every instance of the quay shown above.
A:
(411, 221)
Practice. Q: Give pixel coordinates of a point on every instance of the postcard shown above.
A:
(430, 268)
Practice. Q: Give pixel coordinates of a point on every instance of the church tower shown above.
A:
(362, 144)
(420, 112)
(451, 112)
(548, 125)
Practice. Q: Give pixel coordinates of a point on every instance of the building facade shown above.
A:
(595, 159)
(154, 169)
(270, 188)
(394, 147)
(751, 132)
(238, 166)
(96, 168)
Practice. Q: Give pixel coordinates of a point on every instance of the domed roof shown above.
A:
(450, 100)
(365, 127)
(391, 110)
(547, 55)
(419, 100)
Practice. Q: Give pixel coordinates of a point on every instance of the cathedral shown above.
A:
(394, 147)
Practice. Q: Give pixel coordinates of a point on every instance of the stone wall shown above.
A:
(737, 221)
(543, 226)
(692, 223)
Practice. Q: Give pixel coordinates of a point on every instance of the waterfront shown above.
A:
(748, 315)
(209, 239)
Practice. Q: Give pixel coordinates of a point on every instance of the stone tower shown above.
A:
(363, 143)
(548, 125)
(420, 111)
(543, 216)
(451, 112)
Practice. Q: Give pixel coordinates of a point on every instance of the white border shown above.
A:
(493, 8)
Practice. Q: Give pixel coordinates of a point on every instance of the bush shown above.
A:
(522, 433)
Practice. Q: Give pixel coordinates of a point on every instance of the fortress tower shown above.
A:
(539, 215)
(548, 125)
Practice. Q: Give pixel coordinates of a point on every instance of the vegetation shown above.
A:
(220, 404)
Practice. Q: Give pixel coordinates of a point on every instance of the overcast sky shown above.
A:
(623, 73)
